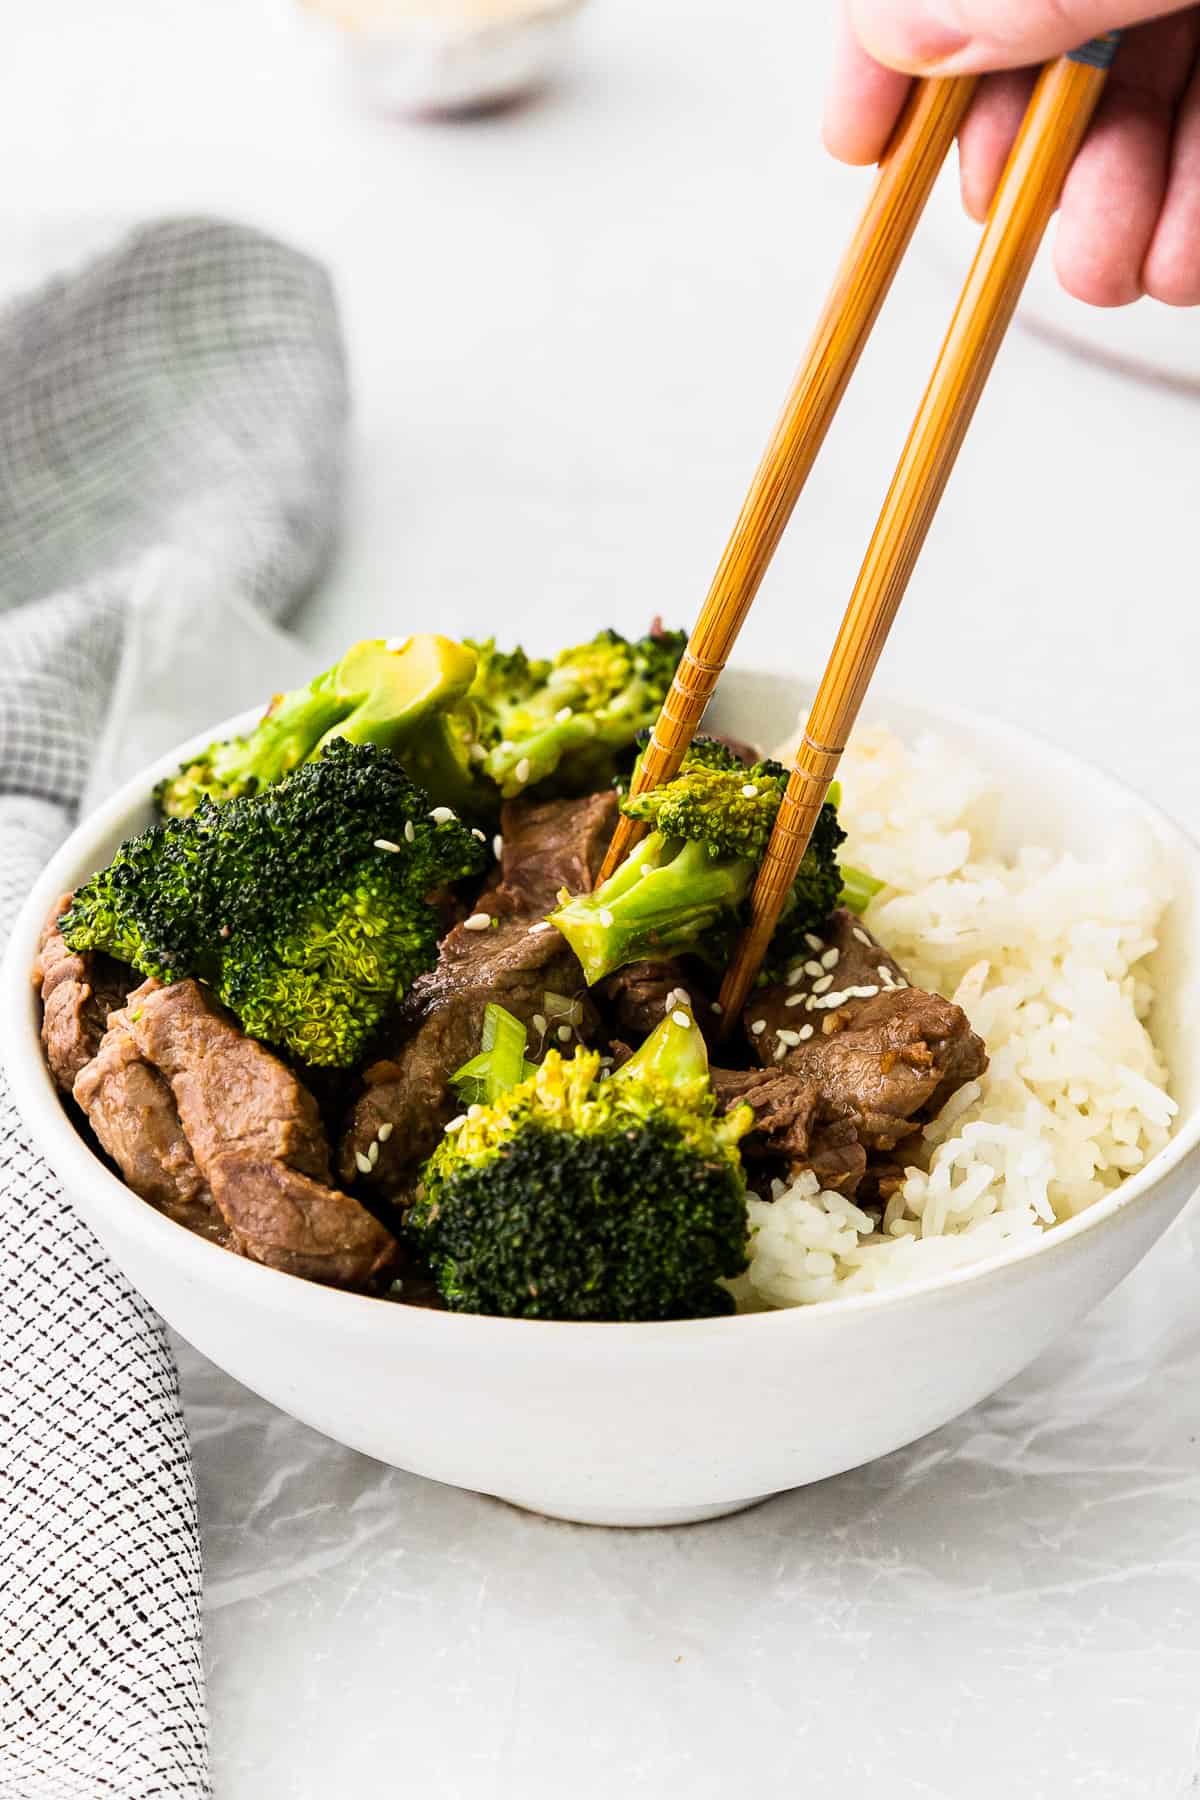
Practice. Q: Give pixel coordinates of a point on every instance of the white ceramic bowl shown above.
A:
(650, 1424)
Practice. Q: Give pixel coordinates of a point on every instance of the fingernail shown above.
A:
(918, 40)
(932, 39)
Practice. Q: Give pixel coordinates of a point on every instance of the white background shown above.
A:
(570, 328)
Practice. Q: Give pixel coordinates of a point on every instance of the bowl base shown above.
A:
(634, 1518)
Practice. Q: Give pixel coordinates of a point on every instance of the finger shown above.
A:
(863, 101)
(1171, 271)
(1115, 190)
(962, 37)
(988, 134)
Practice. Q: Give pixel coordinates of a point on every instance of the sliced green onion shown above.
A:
(858, 889)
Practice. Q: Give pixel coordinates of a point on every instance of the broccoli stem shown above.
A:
(673, 1056)
(858, 889)
(661, 901)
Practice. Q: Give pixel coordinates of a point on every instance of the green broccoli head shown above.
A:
(383, 691)
(684, 888)
(576, 1196)
(567, 719)
(304, 907)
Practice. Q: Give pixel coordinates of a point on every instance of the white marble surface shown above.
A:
(570, 328)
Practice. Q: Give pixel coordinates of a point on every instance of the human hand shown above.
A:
(1130, 214)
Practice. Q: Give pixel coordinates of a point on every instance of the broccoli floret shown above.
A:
(684, 887)
(525, 721)
(304, 907)
(388, 692)
(575, 1196)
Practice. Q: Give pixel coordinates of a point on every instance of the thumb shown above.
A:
(963, 37)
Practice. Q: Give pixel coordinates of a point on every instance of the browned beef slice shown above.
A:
(551, 844)
(635, 998)
(784, 1108)
(257, 1139)
(132, 1111)
(78, 992)
(410, 1091)
(788, 1128)
(889, 1064)
(515, 962)
(883, 1056)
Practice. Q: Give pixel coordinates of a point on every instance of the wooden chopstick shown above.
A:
(1053, 129)
(906, 175)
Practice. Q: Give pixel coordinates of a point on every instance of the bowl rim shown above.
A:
(53, 1133)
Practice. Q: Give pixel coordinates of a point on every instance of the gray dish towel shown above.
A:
(180, 402)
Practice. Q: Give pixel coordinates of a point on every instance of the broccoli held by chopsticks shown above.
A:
(383, 691)
(572, 1195)
(304, 908)
(684, 887)
(566, 719)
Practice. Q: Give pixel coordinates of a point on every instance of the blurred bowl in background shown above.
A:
(441, 57)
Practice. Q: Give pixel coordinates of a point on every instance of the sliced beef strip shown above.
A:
(78, 992)
(784, 1108)
(634, 999)
(257, 1139)
(515, 962)
(551, 844)
(132, 1111)
(883, 1055)
(787, 1130)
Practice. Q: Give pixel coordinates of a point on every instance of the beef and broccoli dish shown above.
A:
(355, 1009)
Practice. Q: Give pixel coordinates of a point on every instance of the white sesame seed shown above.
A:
(861, 993)
(478, 753)
(385, 1131)
(830, 959)
(538, 1022)
(497, 846)
(717, 1007)
(562, 715)
(788, 1038)
(476, 833)
(372, 1154)
(781, 1051)
(604, 916)
(474, 1111)
(477, 922)
(804, 1033)
(795, 976)
(386, 844)
(397, 644)
(679, 1017)
(442, 815)
(564, 1034)
(361, 1163)
(794, 1000)
(542, 925)
(884, 973)
(505, 746)
(861, 936)
(606, 1062)
(758, 1027)
(410, 831)
(522, 770)
(819, 987)
(813, 941)
(457, 1124)
(749, 791)
(812, 968)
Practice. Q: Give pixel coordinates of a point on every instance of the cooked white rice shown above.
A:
(1046, 954)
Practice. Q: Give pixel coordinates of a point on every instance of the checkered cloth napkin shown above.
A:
(180, 403)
